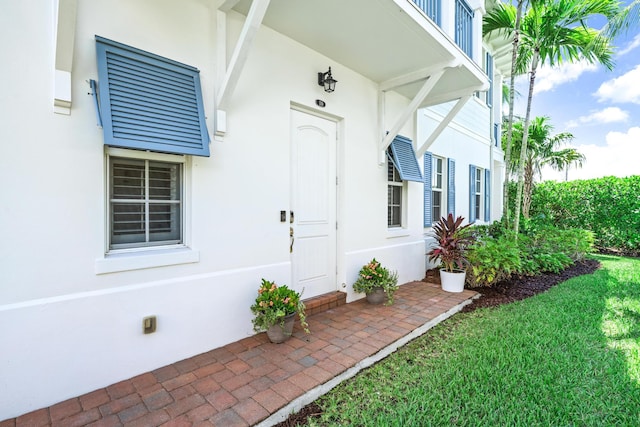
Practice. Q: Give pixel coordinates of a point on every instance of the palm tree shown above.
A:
(627, 18)
(543, 150)
(510, 92)
(552, 32)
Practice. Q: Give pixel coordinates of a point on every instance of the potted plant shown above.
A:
(377, 282)
(452, 241)
(275, 309)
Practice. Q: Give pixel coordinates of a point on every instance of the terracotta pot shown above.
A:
(281, 332)
(452, 281)
(377, 296)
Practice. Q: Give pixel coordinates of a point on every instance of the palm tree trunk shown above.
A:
(528, 188)
(512, 90)
(525, 137)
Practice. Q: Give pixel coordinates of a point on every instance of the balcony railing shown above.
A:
(431, 8)
(464, 27)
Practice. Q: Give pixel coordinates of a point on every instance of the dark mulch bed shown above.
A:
(519, 288)
(514, 289)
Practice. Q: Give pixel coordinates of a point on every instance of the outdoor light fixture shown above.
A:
(326, 80)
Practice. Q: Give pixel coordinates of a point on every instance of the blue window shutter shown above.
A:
(472, 193)
(428, 214)
(404, 159)
(149, 102)
(451, 187)
(487, 195)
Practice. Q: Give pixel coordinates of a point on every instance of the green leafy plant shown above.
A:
(274, 303)
(373, 275)
(452, 241)
(492, 260)
(609, 207)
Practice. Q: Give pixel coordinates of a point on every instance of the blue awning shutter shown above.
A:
(428, 211)
(451, 187)
(404, 159)
(148, 102)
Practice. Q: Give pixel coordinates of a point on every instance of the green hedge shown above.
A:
(609, 207)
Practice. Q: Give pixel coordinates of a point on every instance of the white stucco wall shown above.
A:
(66, 330)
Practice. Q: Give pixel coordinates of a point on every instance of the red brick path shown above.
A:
(245, 382)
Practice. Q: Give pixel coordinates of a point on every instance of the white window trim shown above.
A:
(115, 260)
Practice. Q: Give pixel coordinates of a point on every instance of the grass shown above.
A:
(567, 357)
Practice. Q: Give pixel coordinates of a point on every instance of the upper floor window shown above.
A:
(464, 27)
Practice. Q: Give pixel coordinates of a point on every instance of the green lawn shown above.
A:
(567, 357)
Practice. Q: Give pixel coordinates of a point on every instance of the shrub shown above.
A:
(609, 207)
(492, 260)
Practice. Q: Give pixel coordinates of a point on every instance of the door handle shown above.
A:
(292, 239)
(291, 218)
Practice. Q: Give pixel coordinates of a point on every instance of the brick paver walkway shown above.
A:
(254, 381)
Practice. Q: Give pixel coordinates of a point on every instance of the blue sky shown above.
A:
(601, 108)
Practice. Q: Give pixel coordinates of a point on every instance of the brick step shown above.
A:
(324, 302)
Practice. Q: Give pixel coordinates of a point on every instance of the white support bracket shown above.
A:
(64, 36)
(408, 111)
(442, 125)
(241, 52)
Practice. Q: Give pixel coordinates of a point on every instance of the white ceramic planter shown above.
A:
(452, 281)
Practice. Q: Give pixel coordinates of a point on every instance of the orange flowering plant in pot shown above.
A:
(276, 306)
(377, 282)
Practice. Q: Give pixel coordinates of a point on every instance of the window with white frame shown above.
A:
(145, 199)
(437, 188)
(395, 188)
(478, 192)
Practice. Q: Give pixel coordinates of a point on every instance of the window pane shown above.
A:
(163, 181)
(436, 205)
(394, 200)
(478, 200)
(127, 223)
(164, 222)
(127, 178)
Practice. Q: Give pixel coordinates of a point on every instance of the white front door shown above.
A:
(313, 204)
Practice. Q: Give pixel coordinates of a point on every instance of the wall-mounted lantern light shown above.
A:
(327, 80)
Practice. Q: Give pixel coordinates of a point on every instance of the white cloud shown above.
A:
(617, 158)
(630, 46)
(547, 78)
(608, 115)
(621, 89)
